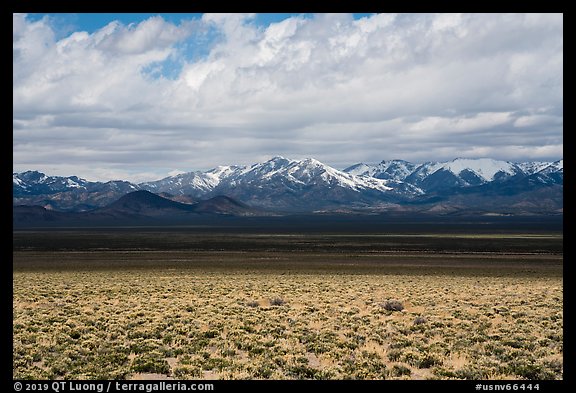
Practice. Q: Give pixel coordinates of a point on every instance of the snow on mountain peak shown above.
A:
(533, 166)
(359, 169)
(486, 168)
(221, 172)
(387, 169)
(308, 171)
(16, 180)
(73, 184)
(312, 167)
(279, 159)
(312, 161)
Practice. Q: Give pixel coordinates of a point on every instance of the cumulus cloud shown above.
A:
(343, 90)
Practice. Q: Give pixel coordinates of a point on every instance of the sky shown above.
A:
(143, 96)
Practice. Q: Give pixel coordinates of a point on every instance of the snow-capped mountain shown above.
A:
(480, 183)
(434, 176)
(460, 172)
(393, 169)
(553, 173)
(282, 184)
(37, 183)
(556, 166)
(66, 193)
(34, 182)
(309, 172)
(485, 168)
(291, 173)
(530, 168)
(191, 183)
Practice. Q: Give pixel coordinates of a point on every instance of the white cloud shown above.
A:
(418, 87)
(537, 120)
(435, 125)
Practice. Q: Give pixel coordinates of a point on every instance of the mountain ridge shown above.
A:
(285, 185)
(136, 207)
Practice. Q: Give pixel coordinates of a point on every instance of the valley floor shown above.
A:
(289, 311)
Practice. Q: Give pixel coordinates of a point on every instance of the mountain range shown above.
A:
(136, 207)
(281, 185)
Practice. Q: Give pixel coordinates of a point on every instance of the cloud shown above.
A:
(418, 87)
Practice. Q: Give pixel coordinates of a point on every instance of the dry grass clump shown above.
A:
(277, 301)
(393, 305)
